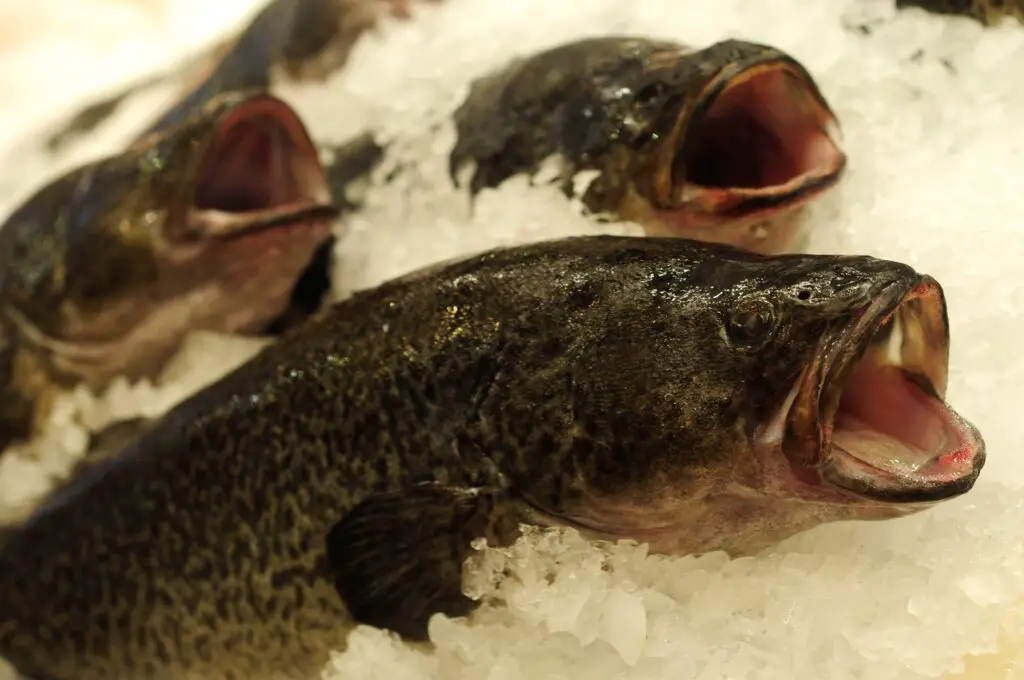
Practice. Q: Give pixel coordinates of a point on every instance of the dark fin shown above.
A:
(396, 559)
(302, 36)
(319, 28)
(93, 115)
(85, 121)
(986, 12)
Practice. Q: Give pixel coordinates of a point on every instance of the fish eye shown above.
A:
(751, 325)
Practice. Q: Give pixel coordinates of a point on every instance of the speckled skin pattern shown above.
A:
(100, 277)
(571, 380)
(619, 105)
(988, 12)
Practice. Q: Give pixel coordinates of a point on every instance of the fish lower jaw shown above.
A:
(885, 434)
(736, 520)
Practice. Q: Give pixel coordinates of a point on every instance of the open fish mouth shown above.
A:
(260, 170)
(870, 418)
(760, 139)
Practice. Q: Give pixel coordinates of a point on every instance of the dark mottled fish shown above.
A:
(287, 41)
(691, 395)
(207, 226)
(987, 12)
(720, 144)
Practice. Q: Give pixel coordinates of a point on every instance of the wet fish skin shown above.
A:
(104, 270)
(630, 108)
(341, 474)
(986, 12)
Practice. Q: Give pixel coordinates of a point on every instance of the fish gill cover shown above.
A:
(929, 109)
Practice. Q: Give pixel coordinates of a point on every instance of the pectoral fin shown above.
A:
(397, 558)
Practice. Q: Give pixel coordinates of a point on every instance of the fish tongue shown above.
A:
(878, 449)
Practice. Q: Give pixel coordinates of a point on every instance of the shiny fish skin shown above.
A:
(104, 270)
(722, 144)
(621, 384)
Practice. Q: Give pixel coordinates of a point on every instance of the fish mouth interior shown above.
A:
(765, 138)
(886, 432)
(260, 170)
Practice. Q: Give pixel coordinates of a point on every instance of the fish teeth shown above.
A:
(834, 131)
(894, 347)
(774, 431)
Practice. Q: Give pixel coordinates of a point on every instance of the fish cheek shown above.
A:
(396, 559)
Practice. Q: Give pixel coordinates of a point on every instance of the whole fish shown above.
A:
(693, 396)
(721, 144)
(986, 12)
(287, 41)
(206, 226)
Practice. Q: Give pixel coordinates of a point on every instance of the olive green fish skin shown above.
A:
(363, 452)
(609, 104)
(101, 277)
(987, 12)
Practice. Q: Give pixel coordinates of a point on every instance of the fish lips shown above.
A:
(869, 417)
(258, 170)
(759, 138)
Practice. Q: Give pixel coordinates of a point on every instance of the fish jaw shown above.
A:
(868, 423)
(259, 208)
(758, 146)
(260, 170)
(243, 205)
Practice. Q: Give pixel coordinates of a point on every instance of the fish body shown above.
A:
(286, 41)
(690, 395)
(986, 12)
(207, 225)
(721, 144)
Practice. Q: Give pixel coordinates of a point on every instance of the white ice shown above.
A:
(932, 111)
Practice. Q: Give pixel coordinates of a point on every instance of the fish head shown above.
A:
(732, 400)
(242, 175)
(738, 138)
(204, 226)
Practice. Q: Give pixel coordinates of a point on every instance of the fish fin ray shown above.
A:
(396, 559)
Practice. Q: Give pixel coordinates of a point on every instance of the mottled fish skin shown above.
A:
(106, 269)
(341, 474)
(287, 41)
(986, 12)
(637, 111)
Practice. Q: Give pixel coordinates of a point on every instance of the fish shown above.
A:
(287, 41)
(692, 396)
(207, 225)
(722, 144)
(986, 12)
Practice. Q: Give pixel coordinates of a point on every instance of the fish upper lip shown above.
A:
(811, 425)
(818, 164)
(293, 169)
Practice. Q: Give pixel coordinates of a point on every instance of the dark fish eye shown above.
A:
(751, 325)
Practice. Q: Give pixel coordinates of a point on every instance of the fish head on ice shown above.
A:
(245, 174)
(729, 400)
(207, 225)
(739, 139)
